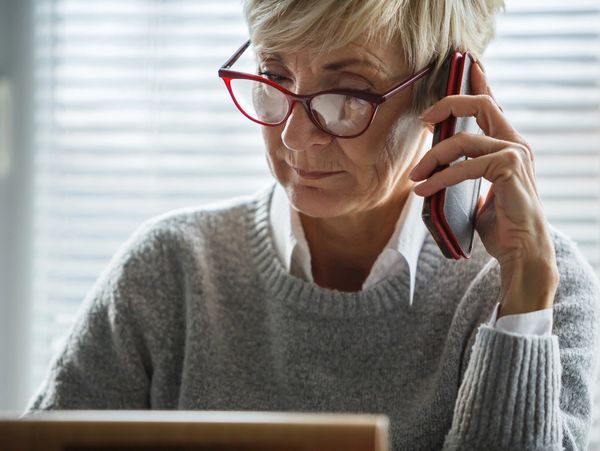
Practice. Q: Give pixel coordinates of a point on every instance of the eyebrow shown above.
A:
(337, 65)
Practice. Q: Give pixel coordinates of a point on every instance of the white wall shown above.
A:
(15, 206)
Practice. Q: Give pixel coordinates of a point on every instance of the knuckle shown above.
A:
(527, 149)
(513, 157)
(487, 101)
(432, 157)
(462, 135)
(523, 150)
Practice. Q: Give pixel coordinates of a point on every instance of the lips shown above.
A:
(315, 174)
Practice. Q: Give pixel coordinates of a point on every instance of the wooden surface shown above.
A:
(193, 431)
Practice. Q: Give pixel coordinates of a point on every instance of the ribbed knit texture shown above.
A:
(197, 312)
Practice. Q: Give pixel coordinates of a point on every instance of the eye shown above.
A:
(272, 76)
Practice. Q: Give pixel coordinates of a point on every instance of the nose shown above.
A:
(300, 133)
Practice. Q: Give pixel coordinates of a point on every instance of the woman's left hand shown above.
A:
(510, 222)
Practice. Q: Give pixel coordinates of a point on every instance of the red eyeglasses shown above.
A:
(343, 113)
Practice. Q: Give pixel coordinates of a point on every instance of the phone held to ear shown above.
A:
(450, 213)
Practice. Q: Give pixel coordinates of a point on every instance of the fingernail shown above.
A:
(426, 112)
(478, 62)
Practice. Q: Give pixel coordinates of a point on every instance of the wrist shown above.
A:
(528, 286)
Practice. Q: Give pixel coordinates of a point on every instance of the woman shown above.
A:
(325, 292)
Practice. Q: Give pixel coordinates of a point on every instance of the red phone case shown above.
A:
(433, 209)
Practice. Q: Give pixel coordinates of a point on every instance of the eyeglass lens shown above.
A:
(339, 114)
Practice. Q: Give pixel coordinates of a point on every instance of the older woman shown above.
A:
(325, 292)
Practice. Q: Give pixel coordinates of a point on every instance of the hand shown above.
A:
(510, 222)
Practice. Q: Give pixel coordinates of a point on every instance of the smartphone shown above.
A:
(450, 213)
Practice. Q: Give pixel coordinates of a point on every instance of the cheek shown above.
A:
(392, 148)
(273, 145)
(402, 138)
(271, 138)
(372, 153)
(365, 151)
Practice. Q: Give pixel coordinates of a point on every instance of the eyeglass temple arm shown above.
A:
(409, 82)
(231, 61)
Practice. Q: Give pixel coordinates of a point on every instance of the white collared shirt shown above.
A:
(400, 253)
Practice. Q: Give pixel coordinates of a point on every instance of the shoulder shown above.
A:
(579, 288)
(573, 267)
(215, 218)
(171, 243)
(221, 221)
(578, 292)
(152, 271)
(577, 300)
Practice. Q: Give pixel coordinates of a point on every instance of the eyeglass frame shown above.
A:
(227, 75)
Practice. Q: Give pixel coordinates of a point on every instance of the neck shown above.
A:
(343, 249)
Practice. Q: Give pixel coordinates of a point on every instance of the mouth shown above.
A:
(313, 175)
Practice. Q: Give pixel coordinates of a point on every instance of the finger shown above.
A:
(491, 167)
(482, 107)
(479, 82)
(449, 150)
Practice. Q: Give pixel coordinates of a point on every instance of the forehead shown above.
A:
(384, 59)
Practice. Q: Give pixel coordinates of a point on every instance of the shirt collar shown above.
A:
(403, 246)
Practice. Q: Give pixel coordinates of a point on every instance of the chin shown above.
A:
(317, 202)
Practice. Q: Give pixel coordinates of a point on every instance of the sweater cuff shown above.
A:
(509, 397)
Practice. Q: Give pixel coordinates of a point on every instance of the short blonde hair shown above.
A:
(425, 29)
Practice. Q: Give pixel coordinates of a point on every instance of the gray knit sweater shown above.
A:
(197, 312)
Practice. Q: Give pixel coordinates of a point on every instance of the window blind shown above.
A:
(132, 121)
(544, 67)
